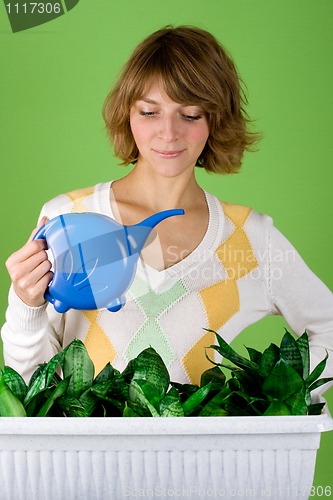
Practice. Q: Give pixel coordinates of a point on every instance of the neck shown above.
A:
(161, 193)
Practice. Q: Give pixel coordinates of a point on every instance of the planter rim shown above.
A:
(165, 425)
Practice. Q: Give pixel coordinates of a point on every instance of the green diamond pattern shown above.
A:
(153, 305)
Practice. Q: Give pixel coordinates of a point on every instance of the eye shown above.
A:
(192, 118)
(148, 113)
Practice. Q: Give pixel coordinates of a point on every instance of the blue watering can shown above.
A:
(95, 258)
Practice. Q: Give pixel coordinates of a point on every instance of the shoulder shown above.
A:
(243, 227)
(242, 216)
(86, 199)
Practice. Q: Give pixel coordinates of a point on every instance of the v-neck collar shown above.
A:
(207, 245)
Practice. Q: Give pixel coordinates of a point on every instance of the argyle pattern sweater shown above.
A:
(243, 270)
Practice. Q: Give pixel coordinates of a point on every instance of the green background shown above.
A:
(54, 79)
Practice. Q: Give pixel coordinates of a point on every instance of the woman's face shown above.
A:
(169, 136)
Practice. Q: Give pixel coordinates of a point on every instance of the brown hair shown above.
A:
(194, 70)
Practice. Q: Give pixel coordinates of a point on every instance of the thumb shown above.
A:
(39, 225)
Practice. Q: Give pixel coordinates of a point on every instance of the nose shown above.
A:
(168, 129)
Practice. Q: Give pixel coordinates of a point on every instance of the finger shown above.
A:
(27, 282)
(39, 225)
(26, 258)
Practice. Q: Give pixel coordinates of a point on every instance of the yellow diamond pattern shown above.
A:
(97, 343)
(78, 197)
(221, 300)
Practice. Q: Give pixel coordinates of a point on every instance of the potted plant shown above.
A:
(258, 437)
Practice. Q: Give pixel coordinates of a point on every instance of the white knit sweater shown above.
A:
(243, 270)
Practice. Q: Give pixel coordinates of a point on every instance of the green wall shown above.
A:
(54, 78)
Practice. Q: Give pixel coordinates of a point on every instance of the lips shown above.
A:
(168, 154)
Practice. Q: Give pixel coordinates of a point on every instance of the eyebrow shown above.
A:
(148, 101)
(151, 101)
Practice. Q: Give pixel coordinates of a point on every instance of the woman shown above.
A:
(177, 104)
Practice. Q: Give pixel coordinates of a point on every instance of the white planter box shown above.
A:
(191, 457)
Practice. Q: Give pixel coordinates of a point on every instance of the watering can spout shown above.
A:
(155, 219)
(137, 234)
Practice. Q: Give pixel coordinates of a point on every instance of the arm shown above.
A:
(32, 332)
(302, 298)
(31, 335)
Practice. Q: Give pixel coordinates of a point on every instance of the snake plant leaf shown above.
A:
(297, 403)
(15, 383)
(214, 375)
(283, 381)
(277, 408)
(248, 381)
(89, 402)
(303, 346)
(71, 406)
(315, 408)
(78, 365)
(106, 374)
(53, 365)
(10, 405)
(270, 357)
(317, 371)
(37, 384)
(171, 405)
(193, 403)
(236, 405)
(254, 355)
(43, 377)
(60, 389)
(289, 351)
(150, 366)
(319, 383)
(215, 406)
(229, 353)
(234, 384)
(130, 412)
(106, 391)
(143, 393)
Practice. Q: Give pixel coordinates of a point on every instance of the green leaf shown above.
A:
(43, 377)
(71, 406)
(277, 408)
(303, 346)
(146, 395)
(317, 371)
(171, 405)
(108, 391)
(290, 353)
(10, 405)
(194, 401)
(37, 384)
(57, 393)
(227, 352)
(53, 365)
(149, 366)
(215, 407)
(255, 355)
(78, 365)
(214, 375)
(319, 383)
(316, 409)
(298, 403)
(130, 412)
(270, 357)
(283, 381)
(15, 383)
(106, 374)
